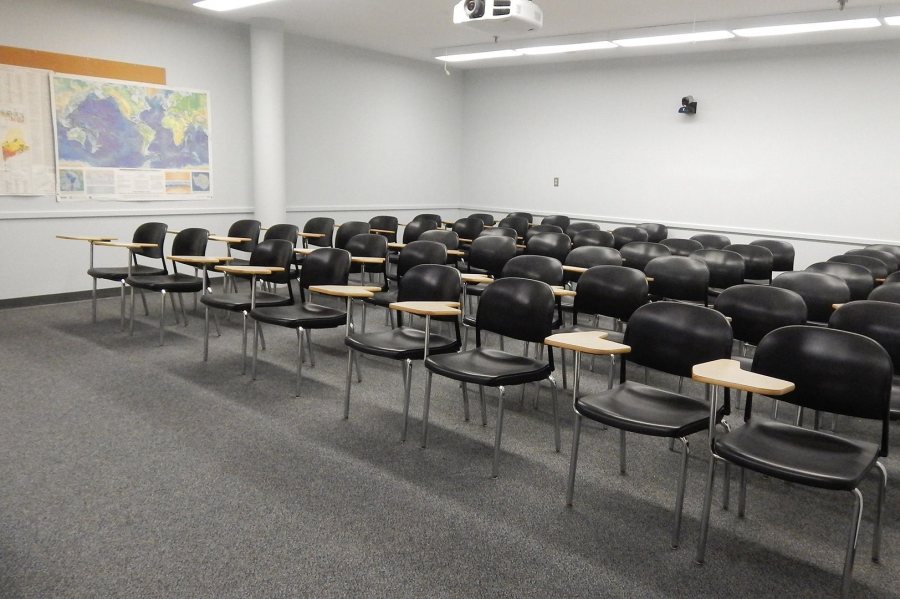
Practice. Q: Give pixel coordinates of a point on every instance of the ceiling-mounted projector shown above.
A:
(499, 16)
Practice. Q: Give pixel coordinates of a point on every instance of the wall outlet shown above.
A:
(555, 181)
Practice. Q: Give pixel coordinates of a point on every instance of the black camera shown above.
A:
(475, 9)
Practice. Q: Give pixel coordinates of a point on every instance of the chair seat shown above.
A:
(383, 298)
(799, 455)
(176, 283)
(121, 273)
(306, 315)
(401, 343)
(646, 410)
(237, 302)
(614, 336)
(491, 367)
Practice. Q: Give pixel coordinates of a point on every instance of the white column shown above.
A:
(267, 95)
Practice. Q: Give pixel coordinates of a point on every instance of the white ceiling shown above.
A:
(416, 28)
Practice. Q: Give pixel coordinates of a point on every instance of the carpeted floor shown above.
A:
(133, 470)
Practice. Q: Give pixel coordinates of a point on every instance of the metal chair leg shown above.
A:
(879, 508)
(262, 340)
(131, 323)
(622, 469)
(183, 313)
(465, 394)
(483, 405)
(244, 344)
(562, 354)
(407, 386)
(93, 299)
(742, 493)
(174, 307)
(349, 378)
(205, 332)
(312, 358)
(425, 409)
(498, 433)
(300, 358)
(162, 316)
(852, 539)
(122, 304)
(144, 302)
(255, 350)
(216, 322)
(707, 506)
(573, 460)
(679, 500)
(556, 434)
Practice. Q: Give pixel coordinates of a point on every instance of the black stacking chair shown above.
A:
(833, 371)
(468, 228)
(594, 237)
(554, 245)
(519, 223)
(418, 252)
(560, 220)
(488, 255)
(655, 231)
(188, 242)
(575, 228)
(782, 253)
(499, 231)
(859, 279)
(487, 219)
(323, 225)
(894, 250)
(589, 256)
(726, 269)
(681, 247)
(881, 322)
(893, 278)
(278, 253)
(385, 223)
(670, 337)
(526, 215)
(820, 291)
(535, 229)
(890, 260)
(678, 278)
(436, 218)
(367, 245)
(638, 254)
(348, 231)
(538, 268)
(248, 229)
(422, 283)
(622, 236)
(758, 261)
(448, 238)
(711, 241)
(414, 229)
(875, 266)
(154, 233)
(889, 292)
(510, 307)
(328, 266)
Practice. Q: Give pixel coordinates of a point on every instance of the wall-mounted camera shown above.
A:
(688, 105)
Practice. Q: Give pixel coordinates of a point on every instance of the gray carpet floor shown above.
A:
(133, 470)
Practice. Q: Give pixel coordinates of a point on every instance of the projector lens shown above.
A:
(474, 9)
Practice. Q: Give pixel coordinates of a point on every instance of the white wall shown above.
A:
(801, 143)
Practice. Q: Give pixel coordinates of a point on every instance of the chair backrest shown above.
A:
(150, 233)
(894, 277)
(889, 259)
(190, 242)
(725, 268)
(414, 229)
(449, 238)
(782, 253)
(875, 266)
(535, 229)
(518, 308)
(679, 278)
(248, 228)
(499, 231)
(468, 228)
(588, 256)
(430, 283)
(638, 254)
(275, 252)
(487, 219)
(594, 237)
(758, 261)
(858, 278)
(682, 247)
(526, 215)
(878, 320)
(820, 291)
(624, 235)
(420, 252)
(285, 231)
(573, 229)
(712, 241)
(672, 337)
(613, 291)
(833, 371)
(757, 310)
(385, 223)
(366, 245)
(347, 231)
(328, 266)
(519, 223)
(655, 231)
(889, 292)
(560, 220)
(894, 250)
(539, 268)
(322, 225)
(555, 245)
(491, 253)
(432, 217)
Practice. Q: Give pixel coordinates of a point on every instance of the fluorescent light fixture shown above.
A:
(479, 55)
(808, 27)
(892, 20)
(562, 48)
(223, 5)
(678, 38)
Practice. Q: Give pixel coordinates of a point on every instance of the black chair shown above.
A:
(278, 253)
(638, 254)
(385, 223)
(487, 219)
(518, 223)
(670, 337)
(449, 239)
(151, 233)
(682, 247)
(575, 228)
(881, 322)
(526, 215)
(499, 231)
(247, 229)
(678, 278)
(833, 371)
(488, 255)
(655, 231)
(188, 242)
(554, 245)
(590, 256)
(348, 231)
(782, 253)
(539, 268)
(894, 250)
(875, 266)
(889, 292)
(711, 241)
(414, 229)
(468, 228)
(511, 307)
(622, 236)
(367, 245)
(758, 261)
(328, 266)
(559, 220)
(726, 268)
(287, 232)
(594, 237)
(535, 229)
(859, 279)
(820, 292)
(422, 283)
(894, 277)
(436, 218)
(321, 225)
(418, 252)
(891, 261)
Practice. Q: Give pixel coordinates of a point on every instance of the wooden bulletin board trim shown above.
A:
(81, 65)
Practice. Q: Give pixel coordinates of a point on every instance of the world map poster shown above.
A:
(118, 140)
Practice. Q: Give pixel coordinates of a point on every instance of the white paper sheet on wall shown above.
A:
(27, 162)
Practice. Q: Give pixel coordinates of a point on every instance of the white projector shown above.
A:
(499, 16)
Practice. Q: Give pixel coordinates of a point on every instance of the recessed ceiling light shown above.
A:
(223, 5)
(479, 55)
(892, 20)
(562, 48)
(678, 38)
(808, 27)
